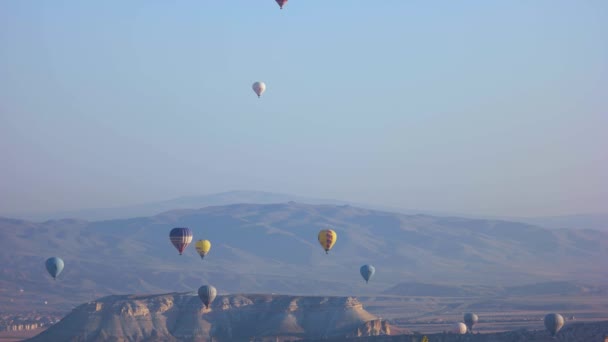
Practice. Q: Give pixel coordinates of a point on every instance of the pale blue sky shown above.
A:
(484, 107)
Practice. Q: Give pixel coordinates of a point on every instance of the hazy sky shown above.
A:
(486, 107)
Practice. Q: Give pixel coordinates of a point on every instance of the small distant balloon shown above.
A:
(180, 238)
(367, 272)
(54, 266)
(45, 302)
(202, 247)
(259, 88)
(459, 328)
(281, 3)
(207, 294)
(554, 322)
(470, 319)
(327, 239)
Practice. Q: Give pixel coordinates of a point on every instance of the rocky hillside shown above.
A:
(273, 248)
(181, 317)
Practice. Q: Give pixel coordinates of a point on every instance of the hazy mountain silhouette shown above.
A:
(273, 248)
(195, 202)
(597, 221)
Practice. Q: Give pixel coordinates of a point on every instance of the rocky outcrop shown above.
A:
(372, 328)
(181, 317)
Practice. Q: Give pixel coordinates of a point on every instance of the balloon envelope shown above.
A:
(281, 3)
(327, 239)
(470, 319)
(367, 272)
(202, 247)
(259, 88)
(459, 328)
(180, 238)
(54, 266)
(207, 294)
(554, 322)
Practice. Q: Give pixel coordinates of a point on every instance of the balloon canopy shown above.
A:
(470, 319)
(327, 239)
(367, 272)
(202, 247)
(207, 294)
(54, 266)
(554, 322)
(459, 328)
(259, 88)
(281, 3)
(180, 238)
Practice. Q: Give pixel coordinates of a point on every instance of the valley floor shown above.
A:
(13, 336)
(430, 315)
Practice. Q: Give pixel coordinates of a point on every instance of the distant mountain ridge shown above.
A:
(202, 201)
(597, 221)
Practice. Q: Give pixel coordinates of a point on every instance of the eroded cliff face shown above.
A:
(372, 328)
(181, 317)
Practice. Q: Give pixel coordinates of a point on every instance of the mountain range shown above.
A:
(273, 248)
(597, 221)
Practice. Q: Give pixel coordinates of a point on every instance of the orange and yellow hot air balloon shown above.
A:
(327, 239)
(202, 247)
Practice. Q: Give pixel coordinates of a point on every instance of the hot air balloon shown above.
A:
(202, 247)
(207, 294)
(327, 239)
(259, 88)
(470, 319)
(180, 238)
(459, 328)
(367, 272)
(554, 322)
(281, 3)
(54, 265)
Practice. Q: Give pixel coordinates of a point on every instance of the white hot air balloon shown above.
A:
(459, 328)
(259, 88)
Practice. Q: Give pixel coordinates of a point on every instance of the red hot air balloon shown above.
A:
(180, 238)
(281, 3)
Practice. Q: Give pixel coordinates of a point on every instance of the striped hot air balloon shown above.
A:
(327, 239)
(180, 238)
(281, 3)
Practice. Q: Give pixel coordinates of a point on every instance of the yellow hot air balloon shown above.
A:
(327, 239)
(202, 247)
